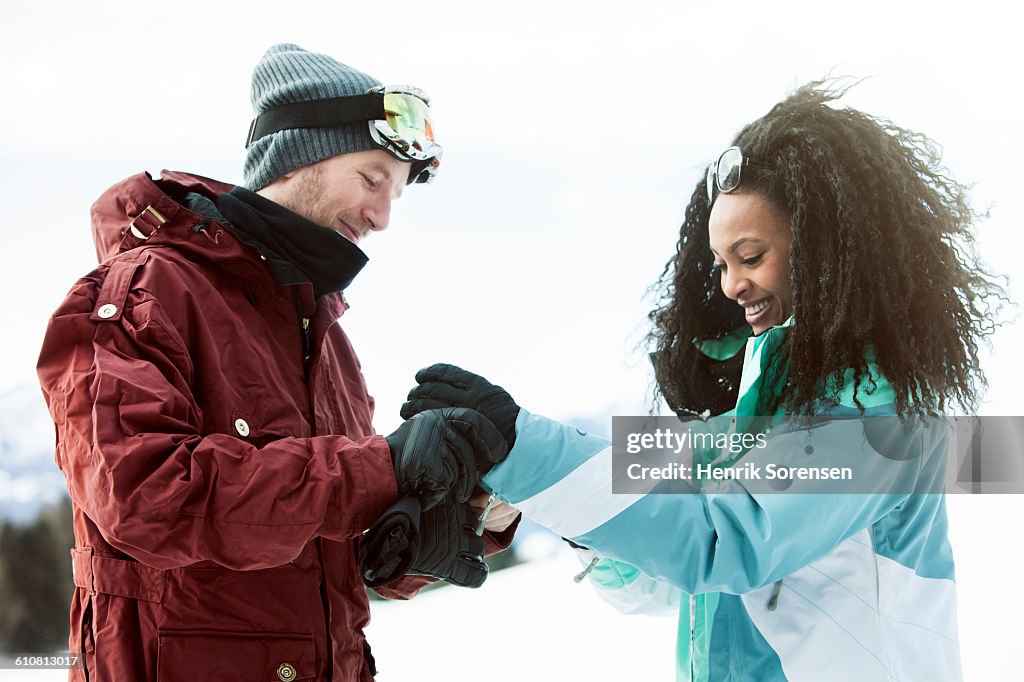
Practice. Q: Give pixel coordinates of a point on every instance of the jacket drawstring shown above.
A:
(578, 578)
(773, 601)
(200, 228)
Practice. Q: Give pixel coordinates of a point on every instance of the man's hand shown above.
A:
(449, 548)
(500, 516)
(438, 451)
(443, 385)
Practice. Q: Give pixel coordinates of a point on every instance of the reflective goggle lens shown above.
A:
(406, 130)
(408, 117)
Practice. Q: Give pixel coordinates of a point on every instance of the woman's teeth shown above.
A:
(757, 307)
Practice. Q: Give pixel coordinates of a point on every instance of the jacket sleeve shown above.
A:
(627, 589)
(734, 540)
(130, 445)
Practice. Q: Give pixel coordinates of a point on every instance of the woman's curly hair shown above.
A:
(882, 257)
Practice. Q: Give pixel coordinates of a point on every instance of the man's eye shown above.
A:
(370, 182)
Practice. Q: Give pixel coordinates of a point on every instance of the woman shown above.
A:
(824, 270)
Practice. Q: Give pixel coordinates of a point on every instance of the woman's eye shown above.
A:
(752, 261)
(717, 267)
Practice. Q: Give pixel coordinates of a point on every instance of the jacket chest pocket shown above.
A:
(190, 655)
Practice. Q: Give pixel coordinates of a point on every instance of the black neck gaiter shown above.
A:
(297, 249)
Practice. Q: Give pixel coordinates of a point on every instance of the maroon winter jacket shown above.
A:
(219, 479)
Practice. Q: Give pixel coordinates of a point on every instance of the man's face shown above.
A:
(350, 193)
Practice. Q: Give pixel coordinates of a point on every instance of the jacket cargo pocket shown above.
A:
(190, 655)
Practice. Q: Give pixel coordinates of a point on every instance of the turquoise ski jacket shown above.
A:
(768, 586)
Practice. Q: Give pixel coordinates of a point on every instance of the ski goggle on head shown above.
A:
(398, 118)
(725, 174)
(406, 124)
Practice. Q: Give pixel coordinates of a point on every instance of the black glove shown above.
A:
(442, 450)
(445, 385)
(388, 549)
(450, 549)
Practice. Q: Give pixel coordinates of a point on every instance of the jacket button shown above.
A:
(286, 672)
(242, 428)
(107, 311)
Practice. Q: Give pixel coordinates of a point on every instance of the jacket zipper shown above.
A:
(307, 353)
(307, 343)
(326, 604)
(693, 635)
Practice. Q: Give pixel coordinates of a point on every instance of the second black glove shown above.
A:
(438, 451)
(444, 385)
(449, 547)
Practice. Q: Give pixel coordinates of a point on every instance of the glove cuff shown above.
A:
(391, 545)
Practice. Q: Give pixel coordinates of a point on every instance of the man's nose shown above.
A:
(378, 213)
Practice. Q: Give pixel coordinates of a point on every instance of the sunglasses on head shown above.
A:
(725, 173)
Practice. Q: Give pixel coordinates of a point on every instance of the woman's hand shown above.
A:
(500, 516)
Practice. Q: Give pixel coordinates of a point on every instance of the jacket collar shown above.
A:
(143, 211)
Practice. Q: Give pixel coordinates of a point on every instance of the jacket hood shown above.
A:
(139, 209)
(173, 211)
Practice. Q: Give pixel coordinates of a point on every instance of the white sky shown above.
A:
(573, 133)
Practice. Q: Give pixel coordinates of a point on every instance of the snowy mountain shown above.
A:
(29, 478)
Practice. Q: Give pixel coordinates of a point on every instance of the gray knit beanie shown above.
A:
(287, 73)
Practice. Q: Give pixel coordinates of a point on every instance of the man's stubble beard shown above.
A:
(305, 197)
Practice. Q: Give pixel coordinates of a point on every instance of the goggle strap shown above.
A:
(320, 113)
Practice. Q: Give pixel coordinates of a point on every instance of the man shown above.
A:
(212, 420)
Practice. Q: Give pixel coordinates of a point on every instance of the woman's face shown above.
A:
(750, 238)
